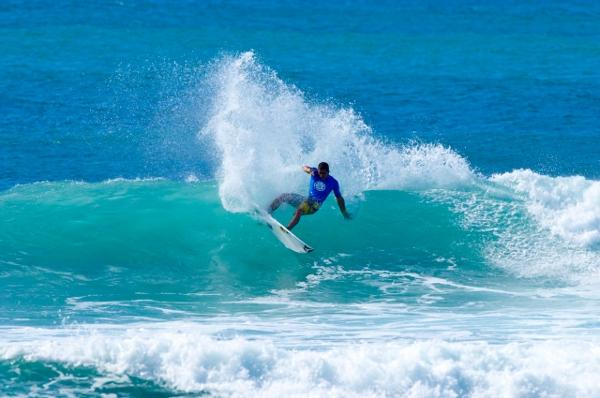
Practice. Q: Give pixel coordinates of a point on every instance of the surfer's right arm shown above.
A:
(308, 169)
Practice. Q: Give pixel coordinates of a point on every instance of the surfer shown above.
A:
(321, 184)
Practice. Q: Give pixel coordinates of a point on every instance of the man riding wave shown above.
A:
(321, 184)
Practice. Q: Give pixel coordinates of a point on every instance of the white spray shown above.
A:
(265, 130)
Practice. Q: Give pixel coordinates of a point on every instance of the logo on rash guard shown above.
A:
(320, 186)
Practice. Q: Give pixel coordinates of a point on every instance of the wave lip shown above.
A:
(186, 360)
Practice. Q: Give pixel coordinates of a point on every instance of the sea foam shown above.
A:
(185, 360)
(568, 206)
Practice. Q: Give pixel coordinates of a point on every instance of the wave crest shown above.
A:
(568, 206)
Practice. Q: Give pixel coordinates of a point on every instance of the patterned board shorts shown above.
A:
(302, 203)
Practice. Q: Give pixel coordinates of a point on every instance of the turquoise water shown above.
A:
(137, 138)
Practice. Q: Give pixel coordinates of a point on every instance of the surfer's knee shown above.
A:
(277, 202)
(274, 205)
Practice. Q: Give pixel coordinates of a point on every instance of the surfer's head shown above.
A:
(323, 169)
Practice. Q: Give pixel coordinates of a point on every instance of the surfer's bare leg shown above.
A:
(295, 219)
(305, 208)
(276, 203)
(292, 199)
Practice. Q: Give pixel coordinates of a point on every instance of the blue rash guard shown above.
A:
(320, 188)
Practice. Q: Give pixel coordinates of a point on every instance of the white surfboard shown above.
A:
(284, 235)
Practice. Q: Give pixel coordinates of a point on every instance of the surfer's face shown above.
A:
(323, 173)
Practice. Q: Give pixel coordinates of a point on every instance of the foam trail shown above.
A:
(188, 361)
(265, 130)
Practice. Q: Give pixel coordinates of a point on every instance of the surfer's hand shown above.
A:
(347, 216)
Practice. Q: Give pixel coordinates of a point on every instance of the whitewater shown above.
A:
(447, 282)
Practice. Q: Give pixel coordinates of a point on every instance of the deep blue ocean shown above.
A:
(137, 137)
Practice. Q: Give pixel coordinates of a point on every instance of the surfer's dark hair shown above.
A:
(323, 166)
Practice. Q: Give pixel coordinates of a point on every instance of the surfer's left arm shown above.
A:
(340, 201)
(342, 204)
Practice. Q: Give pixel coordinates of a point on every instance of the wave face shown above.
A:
(158, 226)
(447, 282)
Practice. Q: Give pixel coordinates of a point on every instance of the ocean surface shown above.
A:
(136, 138)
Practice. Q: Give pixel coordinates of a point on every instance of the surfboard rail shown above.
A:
(284, 235)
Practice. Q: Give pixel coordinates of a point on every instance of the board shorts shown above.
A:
(304, 204)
